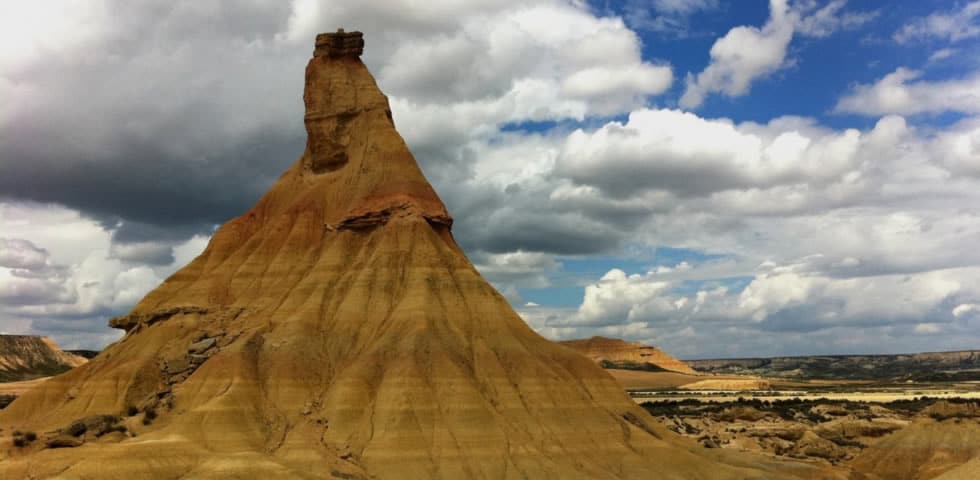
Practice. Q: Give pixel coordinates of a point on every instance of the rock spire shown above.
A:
(336, 330)
(339, 44)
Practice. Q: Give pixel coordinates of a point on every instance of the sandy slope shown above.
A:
(18, 388)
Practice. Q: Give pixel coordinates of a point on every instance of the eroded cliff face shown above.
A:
(25, 357)
(943, 442)
(616, 353)
(336, 330)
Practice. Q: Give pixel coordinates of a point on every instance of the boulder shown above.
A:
(64, 441)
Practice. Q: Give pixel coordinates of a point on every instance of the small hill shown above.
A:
(616, 353)
(24, 357)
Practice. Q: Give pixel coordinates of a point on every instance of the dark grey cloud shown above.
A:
(166, 118)
(176, 114)
(567, 234)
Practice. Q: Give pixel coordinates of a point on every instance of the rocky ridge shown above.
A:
(616, 353)
(25, 357)
(929, 366)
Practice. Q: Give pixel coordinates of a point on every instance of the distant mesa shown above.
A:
(620, 354)
(26, 357)
(954, 366)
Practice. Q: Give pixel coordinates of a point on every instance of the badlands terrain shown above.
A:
(336, 330)
(882, 427)
(930, 366)
(863, 417)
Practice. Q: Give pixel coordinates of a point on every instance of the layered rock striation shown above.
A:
(336, 330)
(616, 353)
(26, 357)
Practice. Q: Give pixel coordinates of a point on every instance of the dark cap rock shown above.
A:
(339, 44)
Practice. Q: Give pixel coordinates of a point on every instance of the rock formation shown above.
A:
(25, 357)
(616, 353)
(336, 330)
(943, 443)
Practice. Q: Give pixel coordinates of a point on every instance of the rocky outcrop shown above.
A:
(821, 431)
(134, 320)
(943, 442)
(340, 44)
(943, 410)
(24, 357)
(616, 353)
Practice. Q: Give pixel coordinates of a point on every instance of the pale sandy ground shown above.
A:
(706, 396)
(636, 379)
(727, 388)
(641, 380)
(18, 388)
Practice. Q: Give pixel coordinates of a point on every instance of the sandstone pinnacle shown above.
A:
(336, 330)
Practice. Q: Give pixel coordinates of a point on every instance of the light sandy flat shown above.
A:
(642, 380)
(882, 397)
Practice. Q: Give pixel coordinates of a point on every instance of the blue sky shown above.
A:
(817, 72)
(822, 68)
(717, 178)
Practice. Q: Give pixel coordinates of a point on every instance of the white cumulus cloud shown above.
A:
(901, 93)
(952, 25)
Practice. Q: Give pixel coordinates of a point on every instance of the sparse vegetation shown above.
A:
(846, 442)
(23, 439)
(131, 411)
(645, 367)
(785, 426)
(76, 429)
(149, 415)
(941, 367)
